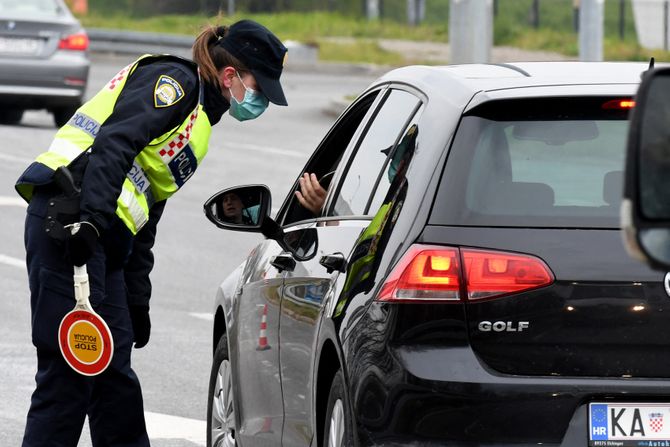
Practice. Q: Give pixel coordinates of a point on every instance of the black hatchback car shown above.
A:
(465, 282)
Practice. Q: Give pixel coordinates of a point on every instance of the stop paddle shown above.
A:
(83, 336)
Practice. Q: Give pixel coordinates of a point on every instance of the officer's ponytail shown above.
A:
(212, 57)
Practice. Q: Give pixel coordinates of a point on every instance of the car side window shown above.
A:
(373, 150)
(396, 165)
(327, 157)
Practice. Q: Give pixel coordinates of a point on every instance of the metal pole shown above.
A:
(416, 12)
(591, 25)
(665, 25)
(536, 14)
(622, 19)
(470, 31)
(231, 7)
(411, 13)
(372, 9)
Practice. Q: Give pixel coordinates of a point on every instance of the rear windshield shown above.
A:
(550, 162)
(48, 8)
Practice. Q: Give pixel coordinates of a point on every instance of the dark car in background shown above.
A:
(465, 282)
(44, 59)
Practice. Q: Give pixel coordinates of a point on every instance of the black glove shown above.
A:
(81, 244)
(139, 315)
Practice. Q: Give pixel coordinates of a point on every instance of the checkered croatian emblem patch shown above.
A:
(175, 145)
(116, 80)
(656, 422)
(178, 155)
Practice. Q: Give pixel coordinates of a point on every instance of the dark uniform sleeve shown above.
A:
(133, 124)
(141, 261)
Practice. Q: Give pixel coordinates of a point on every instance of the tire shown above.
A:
(11, 116)
(63, 114)
(338, 428)
(220, 408)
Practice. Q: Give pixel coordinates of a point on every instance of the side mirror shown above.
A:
(645, 210)
(242, 208)
(247, 208)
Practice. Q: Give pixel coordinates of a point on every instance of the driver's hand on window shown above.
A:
(311, 194)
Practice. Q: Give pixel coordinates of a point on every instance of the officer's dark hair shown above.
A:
(212, 57)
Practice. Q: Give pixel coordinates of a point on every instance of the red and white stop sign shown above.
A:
(85, 342)
(83, 336)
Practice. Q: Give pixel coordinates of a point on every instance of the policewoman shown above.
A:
(128, 149)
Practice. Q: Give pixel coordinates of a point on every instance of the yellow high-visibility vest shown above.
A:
(158, 171)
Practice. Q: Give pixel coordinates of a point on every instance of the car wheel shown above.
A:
(63, 114)
(221, 409)
(11, 116)
(338, 427)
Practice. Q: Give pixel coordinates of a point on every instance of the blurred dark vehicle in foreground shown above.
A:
(646, 205)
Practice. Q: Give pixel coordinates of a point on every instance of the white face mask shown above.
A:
(252, 106)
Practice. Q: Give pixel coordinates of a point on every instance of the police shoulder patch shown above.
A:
(167, 92)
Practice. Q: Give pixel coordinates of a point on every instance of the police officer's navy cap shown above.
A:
(263, 54)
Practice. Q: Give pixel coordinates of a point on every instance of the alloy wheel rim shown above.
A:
(336, 432)
(223, 412)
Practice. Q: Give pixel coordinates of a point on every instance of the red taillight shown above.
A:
(424, 273)
(619, 104)
(432, 273)
(76, 42)
(492, 273)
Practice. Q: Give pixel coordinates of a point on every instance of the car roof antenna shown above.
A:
(651, 67)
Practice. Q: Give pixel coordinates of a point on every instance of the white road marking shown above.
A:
(14, 262)
(202, 316)
(268, 149)
(164, 426)
(12, 201)
(14, 158)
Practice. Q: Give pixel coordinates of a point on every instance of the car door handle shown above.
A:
(283, 263)
(334, 262)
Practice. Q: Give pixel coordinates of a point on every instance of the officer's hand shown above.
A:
(81, 244)
(311, 194)
(139, 315)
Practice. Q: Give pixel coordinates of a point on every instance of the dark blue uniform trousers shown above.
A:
(62, 397)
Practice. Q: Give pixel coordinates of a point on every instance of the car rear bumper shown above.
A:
(421, 394)
(42, 83)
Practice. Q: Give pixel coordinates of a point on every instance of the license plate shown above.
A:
(629, 424)
(19, 46)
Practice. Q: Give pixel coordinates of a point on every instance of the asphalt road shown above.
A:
(192, 256)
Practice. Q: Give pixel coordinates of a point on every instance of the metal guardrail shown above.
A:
(138, 42)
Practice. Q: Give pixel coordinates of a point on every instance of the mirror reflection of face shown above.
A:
(232, 207)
